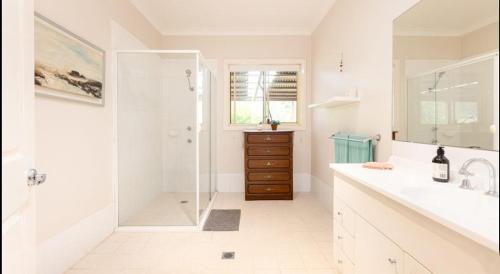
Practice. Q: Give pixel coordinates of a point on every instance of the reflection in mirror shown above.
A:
(445, 74)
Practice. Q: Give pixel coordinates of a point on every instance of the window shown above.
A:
(432, 113)
(260, 93)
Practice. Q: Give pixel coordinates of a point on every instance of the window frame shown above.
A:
(301, 91)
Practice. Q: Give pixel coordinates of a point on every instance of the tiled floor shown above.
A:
(282, 237)
(166, 209)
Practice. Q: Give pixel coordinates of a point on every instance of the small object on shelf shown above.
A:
(274, 124)
(441, 167)
(378, 165)
(341, 65)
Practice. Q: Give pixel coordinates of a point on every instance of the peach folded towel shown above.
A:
(378, 165)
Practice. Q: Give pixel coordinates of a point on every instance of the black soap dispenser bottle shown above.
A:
(441, 167)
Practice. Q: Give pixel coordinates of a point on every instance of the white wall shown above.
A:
(230, 167)
(362, 30)
(74, 144)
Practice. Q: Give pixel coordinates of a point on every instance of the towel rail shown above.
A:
(375, 138)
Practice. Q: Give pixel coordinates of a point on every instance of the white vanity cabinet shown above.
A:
(375, 253)
(374, 234)
(411, 266)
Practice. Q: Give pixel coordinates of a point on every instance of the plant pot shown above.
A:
(274, 127)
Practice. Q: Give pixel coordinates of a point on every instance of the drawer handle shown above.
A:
(269, 177)
(268, 151)
(392, 261)
(269, 189)
(269, 164)
(268, 138)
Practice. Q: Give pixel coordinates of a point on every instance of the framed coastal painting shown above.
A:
(67, 66)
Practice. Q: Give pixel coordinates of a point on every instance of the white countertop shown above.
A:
(470, 213)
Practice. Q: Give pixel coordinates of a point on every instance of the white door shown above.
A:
(18, 204)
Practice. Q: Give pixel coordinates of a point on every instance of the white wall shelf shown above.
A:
(336, 102)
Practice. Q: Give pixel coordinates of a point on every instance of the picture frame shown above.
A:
(66, 65)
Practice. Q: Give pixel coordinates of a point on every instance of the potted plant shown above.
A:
(274, 124)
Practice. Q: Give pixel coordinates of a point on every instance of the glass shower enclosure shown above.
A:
(454, 105)
(165, 138)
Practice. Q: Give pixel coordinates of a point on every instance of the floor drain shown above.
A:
(228, 255)
(184, 202)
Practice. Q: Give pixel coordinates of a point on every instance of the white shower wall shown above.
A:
(178, 113)
(140, 168)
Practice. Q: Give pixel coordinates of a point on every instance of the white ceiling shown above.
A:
(234, 17)
(447, 17)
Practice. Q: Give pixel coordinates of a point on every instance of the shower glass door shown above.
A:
(159, 110)
(204, 133)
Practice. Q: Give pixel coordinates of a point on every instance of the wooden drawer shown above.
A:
(268, 151)
(269, 176)
(269, 182)
(267, 138)
(344, 215)
(344, 241)
(271, 163)
(268, 189)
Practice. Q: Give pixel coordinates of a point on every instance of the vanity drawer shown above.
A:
(267, 138)
(271, 163)
(269, 176)
(268, 151)
(341, 263)
(268, 189)
(344, 215)
(343, 240)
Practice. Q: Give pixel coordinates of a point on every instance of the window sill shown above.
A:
(294, 127)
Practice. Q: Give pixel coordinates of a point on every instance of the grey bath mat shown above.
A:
(223, 220)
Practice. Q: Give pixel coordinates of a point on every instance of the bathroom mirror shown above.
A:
(445, 74)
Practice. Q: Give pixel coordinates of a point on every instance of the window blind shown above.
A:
(271, 85)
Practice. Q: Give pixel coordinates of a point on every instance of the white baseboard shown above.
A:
(230, 182)
(323, 191)
(235, 182)
(57, 254)
(302, 182)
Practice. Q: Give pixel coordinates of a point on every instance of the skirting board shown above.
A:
(57, 254)
(323, 191)
(235, 182)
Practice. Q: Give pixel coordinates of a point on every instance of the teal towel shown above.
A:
(351, 148)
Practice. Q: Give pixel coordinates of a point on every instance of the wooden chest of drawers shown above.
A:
(268, 165)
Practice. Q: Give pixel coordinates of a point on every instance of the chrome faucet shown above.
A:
(493, 188)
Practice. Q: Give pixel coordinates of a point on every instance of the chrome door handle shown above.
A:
(392, 261)
(35, 178)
